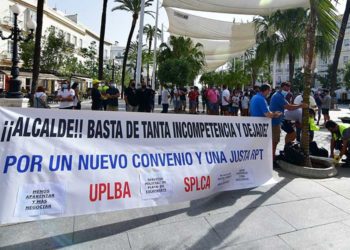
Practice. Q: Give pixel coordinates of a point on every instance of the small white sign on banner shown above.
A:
(155, 186)
(40, 199)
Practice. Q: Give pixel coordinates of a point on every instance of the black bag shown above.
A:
(294, 154)
(78, 105)
(316, 151)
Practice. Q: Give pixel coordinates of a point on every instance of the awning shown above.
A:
(185, 24)
(42, 76)
(247, 7)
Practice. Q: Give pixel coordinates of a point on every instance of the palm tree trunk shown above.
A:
(37, 48)
(308, 60)
(338, 47)
(149, 53)
(291, 59)
(102, 40)
(125, 59)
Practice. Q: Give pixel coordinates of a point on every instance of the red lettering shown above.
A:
(118, 190)
(93, 192)
(121, 190)
(127, 190)
(187, 185)
(197, 183)
(203, 180)
(109, 193)
(102, 188)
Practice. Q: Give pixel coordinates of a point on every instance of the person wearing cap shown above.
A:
(96, 96)
(280, 104)
(66, 96)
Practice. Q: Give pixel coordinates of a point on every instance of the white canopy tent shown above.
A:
(247, 7)
(185, 24)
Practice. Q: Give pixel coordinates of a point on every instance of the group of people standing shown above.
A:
(68, 96)
(286, 111)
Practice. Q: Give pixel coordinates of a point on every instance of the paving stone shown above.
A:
(265, 195)
(190, 234)
(219, 203)
(95, 226)
(248, 225)
(44, 234)
(330, 236)
(304, 188)
(263, 244)
(117, 242)
(340, 202)
(308, 213)
(337, 186)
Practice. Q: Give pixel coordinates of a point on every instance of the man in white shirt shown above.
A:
(299, 99)
(165, 99)
(225, 100)
(66, 96)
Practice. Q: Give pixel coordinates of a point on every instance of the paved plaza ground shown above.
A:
(295, 213)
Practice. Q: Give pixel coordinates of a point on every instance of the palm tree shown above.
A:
(37, 48)
(102, 40)
(150, 32)
(338, 47)
(133, 6)
(183, 49)
(321, 15)
(283, 35)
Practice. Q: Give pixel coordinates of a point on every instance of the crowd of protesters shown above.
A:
(210, 99)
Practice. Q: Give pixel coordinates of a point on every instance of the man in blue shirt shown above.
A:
(258, 104)
(279, 104)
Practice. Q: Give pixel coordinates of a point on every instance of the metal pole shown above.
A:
(15, 83)
(155, 49)
(274, 72)
(113, 72)
(234, 64)
(139, 51)
(162, 33)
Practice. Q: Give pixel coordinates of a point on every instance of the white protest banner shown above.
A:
(56, 163)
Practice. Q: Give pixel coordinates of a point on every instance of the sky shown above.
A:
(119, 22)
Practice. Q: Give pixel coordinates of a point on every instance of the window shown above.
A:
(60, 33)
(346, 59)
(346, 42)
(2, 81)
(68, 37)
(81, 43)
(75, 41)
(9, 46)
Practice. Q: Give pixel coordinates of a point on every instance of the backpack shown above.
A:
(294, 154)
(316, 151)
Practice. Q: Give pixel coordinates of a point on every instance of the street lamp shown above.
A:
(16, 36)
(113, 67)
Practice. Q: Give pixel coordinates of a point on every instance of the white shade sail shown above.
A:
(214, 64)
(248, 7)
(223, 47)
(185, 24)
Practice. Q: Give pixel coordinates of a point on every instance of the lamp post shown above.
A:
(113, 67)
(16, 36)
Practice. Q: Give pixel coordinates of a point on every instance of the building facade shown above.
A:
(74, 32)
(282, 70)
